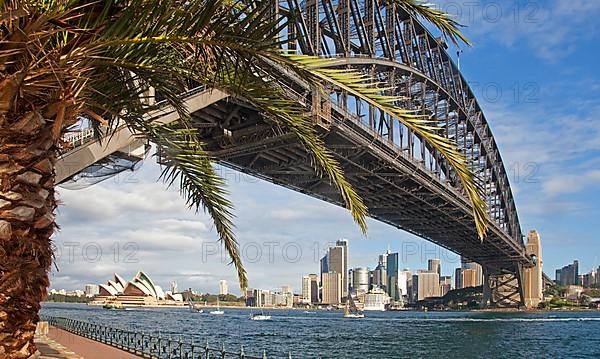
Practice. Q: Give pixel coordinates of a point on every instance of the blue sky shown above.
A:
(535, 74)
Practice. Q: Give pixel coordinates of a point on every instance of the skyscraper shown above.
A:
(403, 279)
(336, 261)
(343, 244)
(332, 288)
(306, 290)
(360, 280)
(434, 266)
(393, 266)
(428, 285)
(314, 288)
(568, 275)
(458, 278)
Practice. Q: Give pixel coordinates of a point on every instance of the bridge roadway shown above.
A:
(404, 182)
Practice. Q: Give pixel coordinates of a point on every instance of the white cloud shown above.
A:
(571, 183)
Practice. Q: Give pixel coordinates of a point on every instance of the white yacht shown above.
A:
(218, 311)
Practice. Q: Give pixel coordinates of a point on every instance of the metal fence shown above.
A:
(144, 344)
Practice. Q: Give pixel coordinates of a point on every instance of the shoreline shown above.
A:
(209, 306)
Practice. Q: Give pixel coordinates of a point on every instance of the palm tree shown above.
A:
(66, 60)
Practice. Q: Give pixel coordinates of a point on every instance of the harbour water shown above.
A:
(323, 334)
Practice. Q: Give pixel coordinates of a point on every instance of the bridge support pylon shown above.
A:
(516, 285)
(533, 276)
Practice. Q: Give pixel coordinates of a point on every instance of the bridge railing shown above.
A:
(83, 136)
(146, 345)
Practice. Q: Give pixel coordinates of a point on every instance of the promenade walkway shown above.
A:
(60, 344)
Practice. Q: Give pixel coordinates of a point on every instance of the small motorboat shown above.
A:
(261, 316)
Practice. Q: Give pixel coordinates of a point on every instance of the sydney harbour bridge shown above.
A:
(403, 181)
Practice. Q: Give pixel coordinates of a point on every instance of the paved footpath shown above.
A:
(60, 344)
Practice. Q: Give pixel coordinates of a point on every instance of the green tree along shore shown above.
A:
(61, 298)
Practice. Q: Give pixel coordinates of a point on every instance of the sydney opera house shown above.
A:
(140, 291)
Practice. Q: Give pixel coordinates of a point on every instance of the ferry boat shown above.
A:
(113, 306)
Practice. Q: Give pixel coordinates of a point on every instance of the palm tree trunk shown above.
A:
(27, 203)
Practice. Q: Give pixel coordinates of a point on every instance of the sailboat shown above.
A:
(351, 311)
(218, 311)
(193, 309)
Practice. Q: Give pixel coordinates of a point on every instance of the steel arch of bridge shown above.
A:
(404, 182)
(385, 41)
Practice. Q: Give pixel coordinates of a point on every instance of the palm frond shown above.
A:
(187, 164)
(318, 71)
(268, 97)
(449, 27)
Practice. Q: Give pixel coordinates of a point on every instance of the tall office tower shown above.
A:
(360, 280)
(332, 288)
(314, 288)
(378, 277)
(458, 278)
(403, 278)
(324, 264)
(174, 287)
(478, 272)
(343, 244)
(383, 259)
(428, 285)
(393, 264)
(306, 290)
(434, 265)
(223, 288)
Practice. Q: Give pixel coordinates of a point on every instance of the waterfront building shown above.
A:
(91, 290)
(139, 291)
(332, 288)
(376, 299)
(568, 275)
(434, 265)
(223, 287)
(428, 285)
(360, 280)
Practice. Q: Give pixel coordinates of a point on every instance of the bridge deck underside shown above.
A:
(396, 190)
